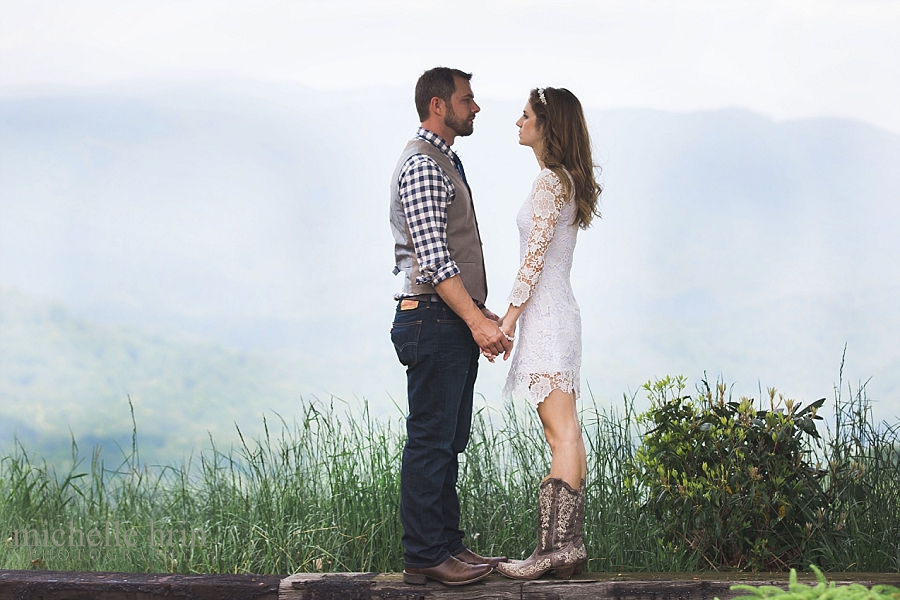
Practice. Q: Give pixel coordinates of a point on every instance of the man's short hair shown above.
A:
(436, 83)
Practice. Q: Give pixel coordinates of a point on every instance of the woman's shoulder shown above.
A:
(549, 180)
(547, 174)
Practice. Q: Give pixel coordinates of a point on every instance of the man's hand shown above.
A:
(508, 325)
(510, 337)
(485, 331)
(491, 340)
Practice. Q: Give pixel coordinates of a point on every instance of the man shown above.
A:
(440, 327)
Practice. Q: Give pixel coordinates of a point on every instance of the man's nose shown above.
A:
(476, 108)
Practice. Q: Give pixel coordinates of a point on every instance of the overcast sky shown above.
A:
(785, 59)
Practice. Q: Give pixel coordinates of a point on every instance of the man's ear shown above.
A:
(436, 106)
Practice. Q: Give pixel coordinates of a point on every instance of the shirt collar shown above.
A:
(438, 142)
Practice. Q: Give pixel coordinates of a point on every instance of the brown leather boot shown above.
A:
(467, 556)
(579, 526)
(556, 549)
(449, 572)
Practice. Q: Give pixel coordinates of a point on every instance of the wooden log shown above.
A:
(68, 585)
(631, 586)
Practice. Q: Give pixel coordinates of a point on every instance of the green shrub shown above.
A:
(823, 590)
(730, 481)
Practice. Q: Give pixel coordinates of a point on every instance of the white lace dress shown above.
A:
(548, 341)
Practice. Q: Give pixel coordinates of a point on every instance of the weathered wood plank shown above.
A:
(68, 585)
(626, 590)
(631, 586)
(373, 586)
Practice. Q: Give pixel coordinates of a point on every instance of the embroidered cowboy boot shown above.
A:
(579, 527)
(556, 549)
(543, 524)
(569, 553)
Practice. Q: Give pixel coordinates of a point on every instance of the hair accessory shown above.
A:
(541, 96)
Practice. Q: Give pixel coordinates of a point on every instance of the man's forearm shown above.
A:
(485, 332)
(454, 293)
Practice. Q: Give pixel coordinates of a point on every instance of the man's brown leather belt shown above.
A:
(423, 298)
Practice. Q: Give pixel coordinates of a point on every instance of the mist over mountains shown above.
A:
(255, 221)
(63, 377)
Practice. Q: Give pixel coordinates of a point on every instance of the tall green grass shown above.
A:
(321, 493)
(861, 528)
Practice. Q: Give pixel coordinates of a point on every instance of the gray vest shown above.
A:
(463, 239)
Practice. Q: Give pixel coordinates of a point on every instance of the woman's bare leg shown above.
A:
(583, 454)
(559, 417)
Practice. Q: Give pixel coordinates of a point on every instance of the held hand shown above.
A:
(508, 326)
(488, 356)
(491, 340)
(490, 315)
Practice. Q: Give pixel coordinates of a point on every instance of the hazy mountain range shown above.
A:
(247, 228)
(61, 376)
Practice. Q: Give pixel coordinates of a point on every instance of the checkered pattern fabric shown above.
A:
(426, 191)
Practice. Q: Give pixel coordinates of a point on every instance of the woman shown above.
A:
(547, 362)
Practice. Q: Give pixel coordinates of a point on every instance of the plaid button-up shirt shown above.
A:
(425, 192)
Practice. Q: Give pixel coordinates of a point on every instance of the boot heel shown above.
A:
(414, 579)
(565, 572)
(579, 566)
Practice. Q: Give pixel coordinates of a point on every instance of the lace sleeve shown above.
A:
(546, 203)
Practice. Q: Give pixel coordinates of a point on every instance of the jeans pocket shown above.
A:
(406, 341)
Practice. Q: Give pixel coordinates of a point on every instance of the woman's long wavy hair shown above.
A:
(566, 145)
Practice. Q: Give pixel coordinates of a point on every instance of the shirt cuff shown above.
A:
(445, 271)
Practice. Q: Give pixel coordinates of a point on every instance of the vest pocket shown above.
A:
(405, 337)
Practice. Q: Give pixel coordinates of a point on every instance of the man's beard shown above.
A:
(461, 127)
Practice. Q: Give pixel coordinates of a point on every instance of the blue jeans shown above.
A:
(441, 361)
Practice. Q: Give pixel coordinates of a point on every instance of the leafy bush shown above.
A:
(728, 480)
(799, 591)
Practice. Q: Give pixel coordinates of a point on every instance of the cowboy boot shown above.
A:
(543, 525)
(569, 554)
(579, 526)
(556, 549)
(544, 501)
(467, 556)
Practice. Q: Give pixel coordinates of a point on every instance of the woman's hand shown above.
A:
(508, 326)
